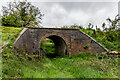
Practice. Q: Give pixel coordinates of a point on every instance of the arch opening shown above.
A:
(53, 46)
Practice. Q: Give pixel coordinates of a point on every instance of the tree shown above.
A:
(113, 23)
(21, 14)
(113, 33)
(75, 26)
(103, 26)
(65, 26)
(90, 26)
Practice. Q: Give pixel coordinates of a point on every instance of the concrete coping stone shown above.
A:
(21, 33)
(52, 28)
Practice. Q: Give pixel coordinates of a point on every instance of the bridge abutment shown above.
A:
(67, 41)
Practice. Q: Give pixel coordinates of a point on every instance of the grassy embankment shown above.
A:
(78, 66)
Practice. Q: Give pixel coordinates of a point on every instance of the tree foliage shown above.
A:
(74, 26)
(109, 35)
(20, 14)
(113, 23)
(90, 26)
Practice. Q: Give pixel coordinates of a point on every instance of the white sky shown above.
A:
(66, 12)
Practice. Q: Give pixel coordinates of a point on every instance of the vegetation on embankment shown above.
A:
(111, 40)
(108, 35)
(82, 65)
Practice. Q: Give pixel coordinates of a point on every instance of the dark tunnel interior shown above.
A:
(59, 45)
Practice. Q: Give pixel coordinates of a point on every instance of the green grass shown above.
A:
(82, 65)
(78, 66)
(49, 46)
(9, 33)
(8, 36)
(0, 54)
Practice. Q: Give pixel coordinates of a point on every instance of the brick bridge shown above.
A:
(67, 41)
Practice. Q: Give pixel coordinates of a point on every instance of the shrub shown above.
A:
(85, 47)
(91, 40)
(102, 55)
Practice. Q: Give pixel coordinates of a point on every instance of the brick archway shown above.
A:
(30, 38)
(61, 42)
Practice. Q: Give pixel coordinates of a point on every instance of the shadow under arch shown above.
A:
(61, 43)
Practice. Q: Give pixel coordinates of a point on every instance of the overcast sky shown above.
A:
(57, 13)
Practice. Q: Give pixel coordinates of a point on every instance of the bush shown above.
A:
(102, 55)
(85, 47)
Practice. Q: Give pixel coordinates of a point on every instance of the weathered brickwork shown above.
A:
(67, 41)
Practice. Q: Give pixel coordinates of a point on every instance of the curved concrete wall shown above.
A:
(30, 38)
